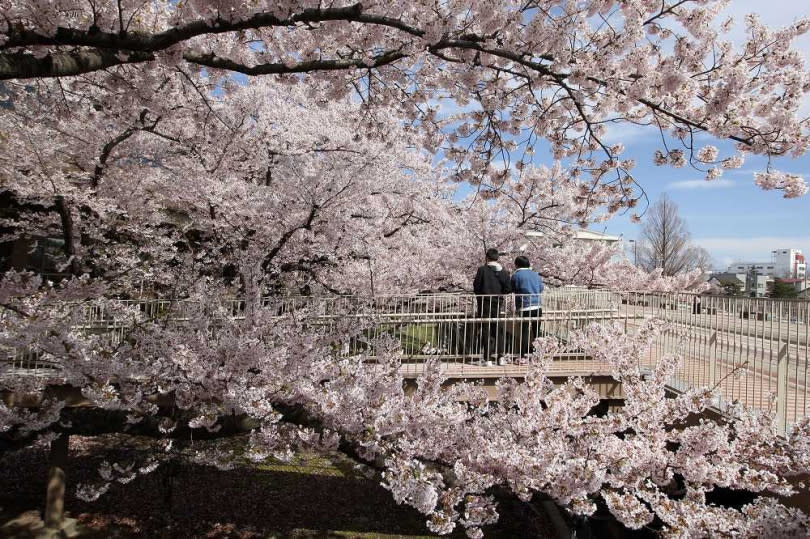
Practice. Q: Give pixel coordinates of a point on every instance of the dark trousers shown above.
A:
(529, 330)
(490, 335)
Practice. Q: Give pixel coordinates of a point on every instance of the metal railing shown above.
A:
(754, 350)
(460, 329)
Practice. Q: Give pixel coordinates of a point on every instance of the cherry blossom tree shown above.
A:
(127, 135)
(546, 200)
(257, 180)
(264, 187)
(518, 72)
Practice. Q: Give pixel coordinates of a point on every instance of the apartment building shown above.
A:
(784, 264)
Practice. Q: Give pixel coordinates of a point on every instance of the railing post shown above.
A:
(626, 310)
(782, 388)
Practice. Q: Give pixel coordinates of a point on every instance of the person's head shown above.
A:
(492, 255)
(522, 262)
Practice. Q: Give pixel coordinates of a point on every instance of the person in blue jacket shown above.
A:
(527, 286)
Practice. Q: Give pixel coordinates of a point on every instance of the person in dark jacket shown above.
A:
(490, 284)
(527, 286)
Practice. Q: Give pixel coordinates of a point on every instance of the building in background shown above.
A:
(581, 234)
(760, 285)
(727, 284)
(760, 268)
(790, 263)
(784, 264)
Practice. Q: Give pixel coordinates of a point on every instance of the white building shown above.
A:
(759, 285)
(790, 263)
(760, 268)
(784, 264)
(581, 234)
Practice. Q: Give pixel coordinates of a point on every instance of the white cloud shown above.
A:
(757, 248)
(448, 107)
(725, 262)
(627, 132)
(748, 173)
(700, 184)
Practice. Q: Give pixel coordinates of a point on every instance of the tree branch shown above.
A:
(68, 236)
(23, 65)
(287, 235)
(22, 37)
(213, 61)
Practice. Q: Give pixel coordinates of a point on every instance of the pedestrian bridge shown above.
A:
(764, 338)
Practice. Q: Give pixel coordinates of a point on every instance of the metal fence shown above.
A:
(461, 329)
(754, 350)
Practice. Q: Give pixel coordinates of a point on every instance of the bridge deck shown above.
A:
(559, 368)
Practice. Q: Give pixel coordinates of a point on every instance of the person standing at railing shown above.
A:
(527, 286)
(490, 284)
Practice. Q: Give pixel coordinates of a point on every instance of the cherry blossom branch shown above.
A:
(22, 37)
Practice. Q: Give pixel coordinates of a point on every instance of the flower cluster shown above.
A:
(792, 185)
(483, 83)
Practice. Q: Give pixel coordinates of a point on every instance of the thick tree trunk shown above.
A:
(55, 499)
(68, 234)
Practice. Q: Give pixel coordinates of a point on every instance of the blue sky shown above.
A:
(731, 218)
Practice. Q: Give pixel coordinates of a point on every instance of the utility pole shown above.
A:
(635, 251)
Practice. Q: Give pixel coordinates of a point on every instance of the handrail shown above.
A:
(768, 337)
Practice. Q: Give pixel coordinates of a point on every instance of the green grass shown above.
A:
(413, 337)
(335, 465)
